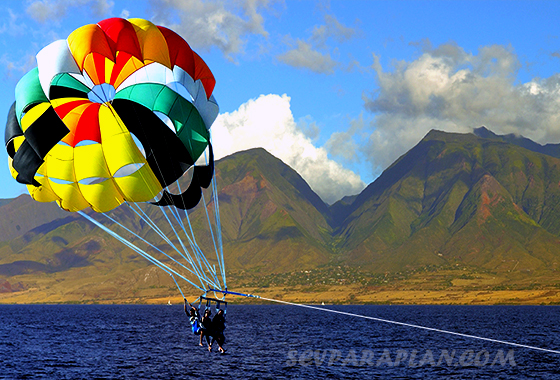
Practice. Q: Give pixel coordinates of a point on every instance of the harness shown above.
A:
(196, 321)
(220, 304)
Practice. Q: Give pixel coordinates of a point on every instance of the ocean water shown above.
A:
(277, 342)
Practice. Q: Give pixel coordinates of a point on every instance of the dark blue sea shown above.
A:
(277, 342)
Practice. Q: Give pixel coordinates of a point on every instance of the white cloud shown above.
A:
(449, 89)
(331, 29)
(314, 53)
(205, 24)
(304, 56)
(343, 144)
(268, 122)
(55, 10)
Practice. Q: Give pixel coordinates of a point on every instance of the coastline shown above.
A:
(334, 295)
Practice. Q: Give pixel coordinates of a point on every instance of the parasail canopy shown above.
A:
(115, 113)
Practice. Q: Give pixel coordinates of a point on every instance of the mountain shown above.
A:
(476, 201)
(271, 220)
(20, 215)
(549, 149)
(270, 216)
(458, 198)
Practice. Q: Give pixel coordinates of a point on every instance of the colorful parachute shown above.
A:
(115, 113)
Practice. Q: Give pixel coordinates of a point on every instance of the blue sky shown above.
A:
(338, 90)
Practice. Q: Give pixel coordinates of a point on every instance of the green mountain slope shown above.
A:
(20, 215)
(271, 219)
(549, 149)
(458, 198)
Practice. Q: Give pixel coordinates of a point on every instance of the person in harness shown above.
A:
(217, 331)
(194, 319)
(206, 327)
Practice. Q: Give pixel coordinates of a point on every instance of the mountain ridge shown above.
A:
(453, 200)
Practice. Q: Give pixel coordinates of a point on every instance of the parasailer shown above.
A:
(206, 325)
(119, 114)
(217, 331)
(194, 318)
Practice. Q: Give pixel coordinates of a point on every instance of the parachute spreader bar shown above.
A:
(233, 293)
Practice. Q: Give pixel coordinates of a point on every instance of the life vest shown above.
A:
(195, 326)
